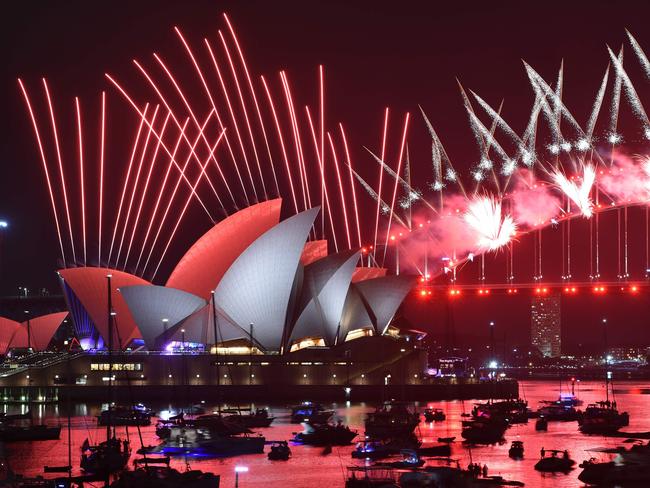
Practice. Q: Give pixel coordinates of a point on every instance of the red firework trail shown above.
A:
(160, 194)
(178, 182)
(196, 122)
(257, 107)
(381, 177)
(232, 117)
(152, 164)
(126, 179)
(245, 111)
(341, 192)
(323, 182)
(187, 202)
(221, 125)
(281, 139)
(61, 174)
(81, 175)
(354, 192)
(47, 174)
(137, 109)
(101, 177)
(321, 110)
(143, 154)
(399, 170)
(297, 141)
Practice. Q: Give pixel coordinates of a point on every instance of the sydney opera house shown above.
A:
(252, 302)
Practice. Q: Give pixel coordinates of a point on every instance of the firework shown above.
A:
(578, 193)
(494, 230)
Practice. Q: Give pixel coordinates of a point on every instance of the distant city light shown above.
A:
(4, 224)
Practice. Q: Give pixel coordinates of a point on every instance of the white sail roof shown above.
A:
(157, 308)
(383, 296)
(256, 289)
(325, 287)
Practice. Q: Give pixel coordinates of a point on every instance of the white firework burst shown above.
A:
(484, 216)
(578, 193)
(508, 167)
(485, 164)
(437, 186)
(450, 175)
(583, 145)
(527, 157)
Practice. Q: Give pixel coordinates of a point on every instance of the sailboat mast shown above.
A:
(606, 361)
(216, 340)
(110, 355)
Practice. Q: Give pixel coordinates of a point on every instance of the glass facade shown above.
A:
(545, 326)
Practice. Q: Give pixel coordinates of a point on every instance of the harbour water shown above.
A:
(309, 468)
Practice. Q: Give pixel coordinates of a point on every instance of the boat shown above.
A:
(311, 413)
(541, 424)
(326, 435)
(602, 418)
(614, 474)
(410, 459)
(218, 424)
(512, 411)
(434, 415)
(140, 407)
(391, 420)
(280, 451)
(122, 416)
(443, 472)
(5, 417)
(17, 433)
(446, 440)
(165, 477)
(106, 457)
(516, 450)
(113, 454)
(557, 411)
(371, 477)
(203, 442)
(637, 453)
(195, 410)
(380, 449)
(251, 420)
(552, 462)
(437, 450)
(484, 431)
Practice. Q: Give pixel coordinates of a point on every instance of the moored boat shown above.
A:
(434, 415)
(122, 416)
(326, 435)
(391, 420)
(516, 450)
(311, 413)
(280, 451)
(602, 418)
(555, 461)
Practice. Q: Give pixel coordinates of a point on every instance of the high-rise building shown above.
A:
(545, 324)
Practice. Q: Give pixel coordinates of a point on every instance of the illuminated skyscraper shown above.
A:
(545, 324)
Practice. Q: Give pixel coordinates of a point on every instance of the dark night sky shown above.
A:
(376, 54)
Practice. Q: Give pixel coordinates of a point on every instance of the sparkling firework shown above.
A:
(484, 216)
(578, 192)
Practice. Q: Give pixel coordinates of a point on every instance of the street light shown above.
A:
(29, 331)
(239, 469)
